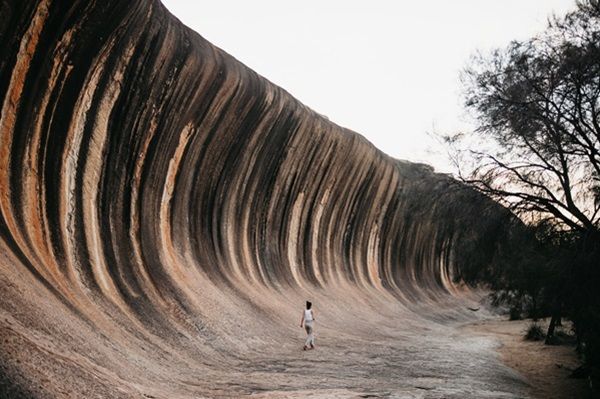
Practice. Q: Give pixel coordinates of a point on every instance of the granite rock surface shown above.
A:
(165, 212)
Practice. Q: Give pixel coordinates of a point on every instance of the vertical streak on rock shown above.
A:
(293, 236)
(315, 241)
(10, 108)
(172, 260)
(92, 170)
(34, 210)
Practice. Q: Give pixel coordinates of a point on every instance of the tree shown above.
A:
(538, 102)
(536, 105)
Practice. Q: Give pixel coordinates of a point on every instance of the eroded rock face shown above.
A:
(165, 211)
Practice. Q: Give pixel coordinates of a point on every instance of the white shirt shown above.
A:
(308, 315)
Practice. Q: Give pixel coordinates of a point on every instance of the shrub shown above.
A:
(534, 333)
(514, 313)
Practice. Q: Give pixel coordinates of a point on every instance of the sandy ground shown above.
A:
(545, 367)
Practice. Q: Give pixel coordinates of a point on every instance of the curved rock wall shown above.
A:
(163, 209)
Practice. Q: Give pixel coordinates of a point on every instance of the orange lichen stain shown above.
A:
(9, 111)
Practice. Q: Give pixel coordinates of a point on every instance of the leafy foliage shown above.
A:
(538, 103)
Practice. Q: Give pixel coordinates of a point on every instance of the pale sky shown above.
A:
(386, 69)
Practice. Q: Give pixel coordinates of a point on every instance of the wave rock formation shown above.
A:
(165, 211)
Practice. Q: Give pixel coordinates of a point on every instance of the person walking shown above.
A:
(308, 318)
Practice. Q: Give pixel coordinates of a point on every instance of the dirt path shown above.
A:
(545, 367)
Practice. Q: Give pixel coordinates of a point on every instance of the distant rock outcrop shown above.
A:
(164, 212)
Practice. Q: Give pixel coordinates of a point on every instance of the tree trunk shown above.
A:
(551, 327)
(534, 312)
(555, 321)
